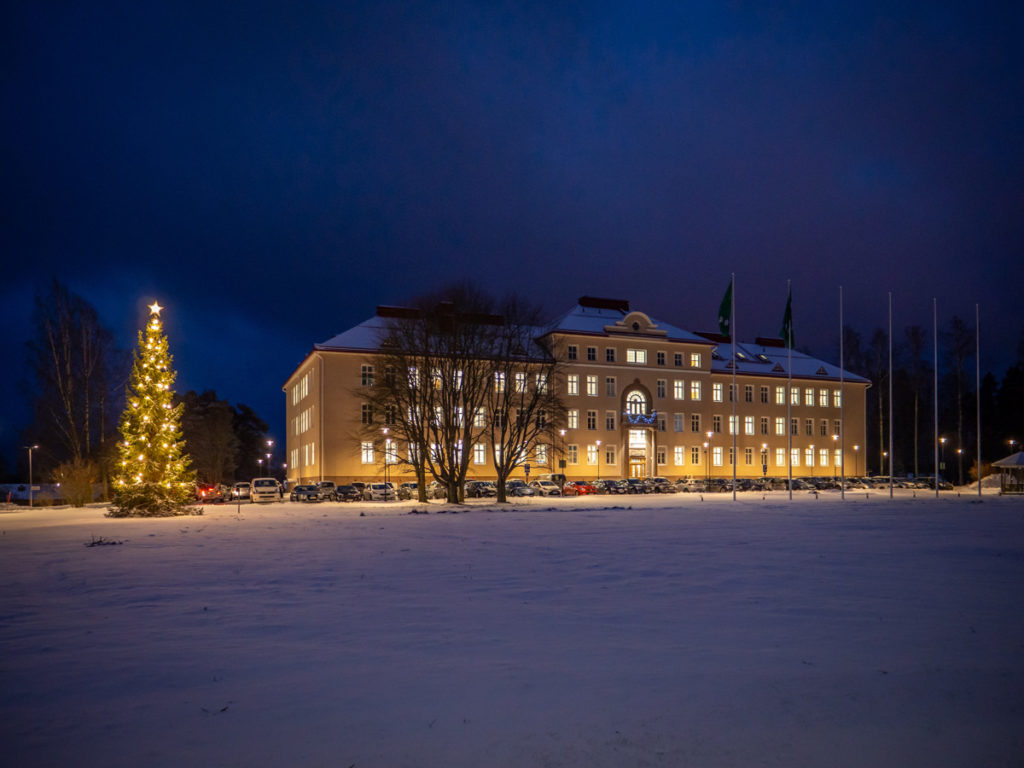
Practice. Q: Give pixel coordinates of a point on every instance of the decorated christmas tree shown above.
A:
(153, 476)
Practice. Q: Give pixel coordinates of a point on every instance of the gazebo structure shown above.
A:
(1011, 473)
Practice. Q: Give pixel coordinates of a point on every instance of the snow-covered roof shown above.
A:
(365, 337)
(769, 360)
(592, 318)
(1013, 461)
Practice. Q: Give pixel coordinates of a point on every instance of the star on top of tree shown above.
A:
(154, 308)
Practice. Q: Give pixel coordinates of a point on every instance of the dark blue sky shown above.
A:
(270, 173)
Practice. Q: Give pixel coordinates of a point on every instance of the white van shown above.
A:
(263, 489)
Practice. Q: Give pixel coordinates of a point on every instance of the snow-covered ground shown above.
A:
(664, 631)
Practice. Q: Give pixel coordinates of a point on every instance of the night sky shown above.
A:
(271, 173)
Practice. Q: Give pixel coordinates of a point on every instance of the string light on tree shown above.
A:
(154, 477)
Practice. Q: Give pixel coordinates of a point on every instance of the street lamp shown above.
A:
(834, 462)
(30, 448)
(707, 466)
(856, 461)
(764, 460)
(387, 456)
(1012, 443)
(259, 463)
(598, 459)
(942, 459)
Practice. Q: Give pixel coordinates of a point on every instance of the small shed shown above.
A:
(1011, 473)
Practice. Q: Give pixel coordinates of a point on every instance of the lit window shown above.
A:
(636, 356)
(780, 425)
(591, 454)
(837, 398)
(520, 379)
(794, 396)
(695, 359)
(367, 452)
(572, 453)
(809, 457)
(780, 395)
(479, 453)
(542, 383)
(592, 386)
(678, 389)
(809, 396)
(780, 457)
(716, 455)
(542, 454)
(748, 425)
(695, 390)
(795, 457)
(823, 398)
(499, 382)
(573, 418)
(823, 457)
(572, 384)
(678, 455)
(716, 392)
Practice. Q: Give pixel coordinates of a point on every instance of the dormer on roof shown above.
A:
(636, 322)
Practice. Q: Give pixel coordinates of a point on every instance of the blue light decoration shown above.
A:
(640, 418)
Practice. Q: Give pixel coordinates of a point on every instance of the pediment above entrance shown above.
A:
(636, 323)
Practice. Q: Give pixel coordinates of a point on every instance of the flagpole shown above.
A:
(890, 397)
(789, 389)
(935, 392)
(735, 394)
(842, 405)
(977, 375)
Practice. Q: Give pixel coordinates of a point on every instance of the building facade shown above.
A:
(642, 398)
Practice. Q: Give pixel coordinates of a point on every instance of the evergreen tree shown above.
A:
(153, 476)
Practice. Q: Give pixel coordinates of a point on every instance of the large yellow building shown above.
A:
(642, 398)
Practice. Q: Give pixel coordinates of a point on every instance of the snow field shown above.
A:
(608, 631)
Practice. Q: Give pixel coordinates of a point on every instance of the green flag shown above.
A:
(786, 334)
(725, 312)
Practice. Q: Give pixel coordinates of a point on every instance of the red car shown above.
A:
(578, 488)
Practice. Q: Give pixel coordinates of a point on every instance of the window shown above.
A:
(573, 454)
(695, 455)
(809, 396)
(795, 457)
(572, 384)
(716, 455)
(390, 452)
(809, 427)
(748, 425)
(520, 379)
(542, 419)
(609, 354)
(479, 453)
(660, 455)
(573, 352)
(809, 457)
(573, 418)
(837, 398)
(677, 422)
(636, 356)
(661, 387)
(695, 422)
(609, 420)
(414, 377)
(499, 381)
(823, 457)
(716, 392)
(591, 419)
(716, 423)
(390, 414)
(695, 359)
(764, 395)
(748, 393)
(780, 457)
(679, 389)
(660, 357)
(824, 427)
(366, 417)
(367, 452)
(780, 425)
(794, 427)
(780, 395)
(764, 425)
(837, 427)
(479, 419)
(366, 375)
(695, 390)
(838, 454)
(677, 360)
(732, 393)
(748, 456)
(732, 425)
(662, 424)
(591, 454)
(592, 386)
(678, 455)
(730, 457)
(609, 386)
(794, 396)
(636, 403)
(592, 354)
(823, 398)
(541, 454)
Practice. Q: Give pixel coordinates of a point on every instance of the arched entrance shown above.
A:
(636, 421)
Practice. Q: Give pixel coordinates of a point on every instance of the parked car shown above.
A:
(545, 488)
(212, 492)
(690, 485)
(305, 493)
(480, 488)
(518, 487)
(240, 491)
(585, 488)
(436, 490)
(408, 491)
(636, 485)
(607, 486)
(347, 493)
(326, 490)
(662, 485)
(264, 489)
(379, 492)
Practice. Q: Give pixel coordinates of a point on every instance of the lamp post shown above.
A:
(764, 460)
(856, 461)
(709, 434)
(30, 448)
(707, 467)
(270, 443)
(387, 446)
(834, 462)
(942, 460)
(1012, 443)
(259, 463)
(599, 460)
(960, 466)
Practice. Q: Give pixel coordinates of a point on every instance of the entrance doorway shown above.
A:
(637, 466)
